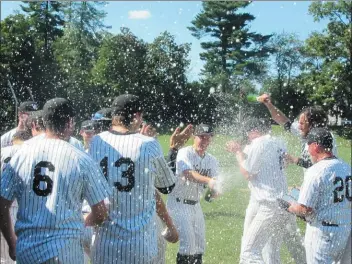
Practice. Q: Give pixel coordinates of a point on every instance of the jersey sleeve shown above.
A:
(309, 193)
(96, 188)
(8, 183)
(253, 162)
(164, 177)
(183, 161)
(293, 128)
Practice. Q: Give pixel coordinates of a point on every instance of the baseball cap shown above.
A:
(321, 136)
(57, 109)
(203, 129)
(28, 106)
(102, 114)
(89, 125)
(126, 104)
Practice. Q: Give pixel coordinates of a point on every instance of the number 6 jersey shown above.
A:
(133, 165)
(50, 178)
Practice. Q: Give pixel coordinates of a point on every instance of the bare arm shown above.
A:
(235, 147)
(6, 226)
(194, 176)
(98, 215)
(165, 217)
(275, 113)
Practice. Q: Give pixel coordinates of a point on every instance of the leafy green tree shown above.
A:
(231, 49)
(330, 58)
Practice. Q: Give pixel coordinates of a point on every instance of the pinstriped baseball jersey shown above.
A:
(73, 141)
(6, 139)
(50, 178)
(189, 159)
(265, 164)
(133, 165)
(327, 188)
(6, 155)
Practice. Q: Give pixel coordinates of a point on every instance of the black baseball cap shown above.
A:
(321, 136)
(126, 104)
(28, 106)
(57, 109)
(89, 125)
(203, 129)
(102, 114)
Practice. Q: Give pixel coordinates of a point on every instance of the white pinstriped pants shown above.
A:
(267, 225)
(190, 224)
(326, 244)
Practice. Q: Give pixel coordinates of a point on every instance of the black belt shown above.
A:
(185, 201)
(325, 223)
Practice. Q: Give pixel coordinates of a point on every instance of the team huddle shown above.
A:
(62, 201)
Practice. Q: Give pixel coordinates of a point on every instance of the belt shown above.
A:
(326, 223)
(185, 201)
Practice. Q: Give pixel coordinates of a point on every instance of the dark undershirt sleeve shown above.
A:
(171, 159)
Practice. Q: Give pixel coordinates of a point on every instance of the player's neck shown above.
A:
(51, 135)
(120, 129)
(325, 155)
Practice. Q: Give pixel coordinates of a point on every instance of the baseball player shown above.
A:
(49, 178)
(263, 168)
(24, 111)
(195, 170)
(325, 201)
(134, 165)
(309, 118)
(103, 117)
(89, 129)
(6, 154)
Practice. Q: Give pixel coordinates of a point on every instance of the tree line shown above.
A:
(54, 48)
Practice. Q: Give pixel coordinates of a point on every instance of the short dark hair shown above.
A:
(316, 116)
(57, 114)
(22, 135)
(261, 125)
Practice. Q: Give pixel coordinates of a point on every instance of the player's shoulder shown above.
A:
(8, 133)
(185, 150)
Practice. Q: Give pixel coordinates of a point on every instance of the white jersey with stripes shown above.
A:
(133, 165)
(189, 159)
(265, 164)
(50, 178)
(327, 188)
(6, 139)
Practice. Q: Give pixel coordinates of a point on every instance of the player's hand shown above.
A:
(264, 98)
(179, 138)
(170, 234)
(148, 130)
(233, 146)
(290, 159)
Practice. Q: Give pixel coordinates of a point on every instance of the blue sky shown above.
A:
(147, 19)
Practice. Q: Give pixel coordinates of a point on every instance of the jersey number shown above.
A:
(38, 177)
(128, 174)
(347, 186)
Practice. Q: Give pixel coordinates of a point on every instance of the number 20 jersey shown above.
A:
(133, 165)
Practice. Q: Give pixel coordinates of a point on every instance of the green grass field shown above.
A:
(225, 216)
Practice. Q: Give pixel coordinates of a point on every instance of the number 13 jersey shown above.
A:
(133, 165)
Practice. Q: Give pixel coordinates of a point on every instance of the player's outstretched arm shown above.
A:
(236, 148)
(98, 215)
(6, 226)
(275, 113)
(194, 176)
(171, 234)
(300, 210)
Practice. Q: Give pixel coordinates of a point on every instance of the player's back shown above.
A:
(265, 162)
(49, 183)
(333, 183)
(134, 165)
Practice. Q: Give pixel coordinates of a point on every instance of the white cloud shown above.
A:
(139, 14)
